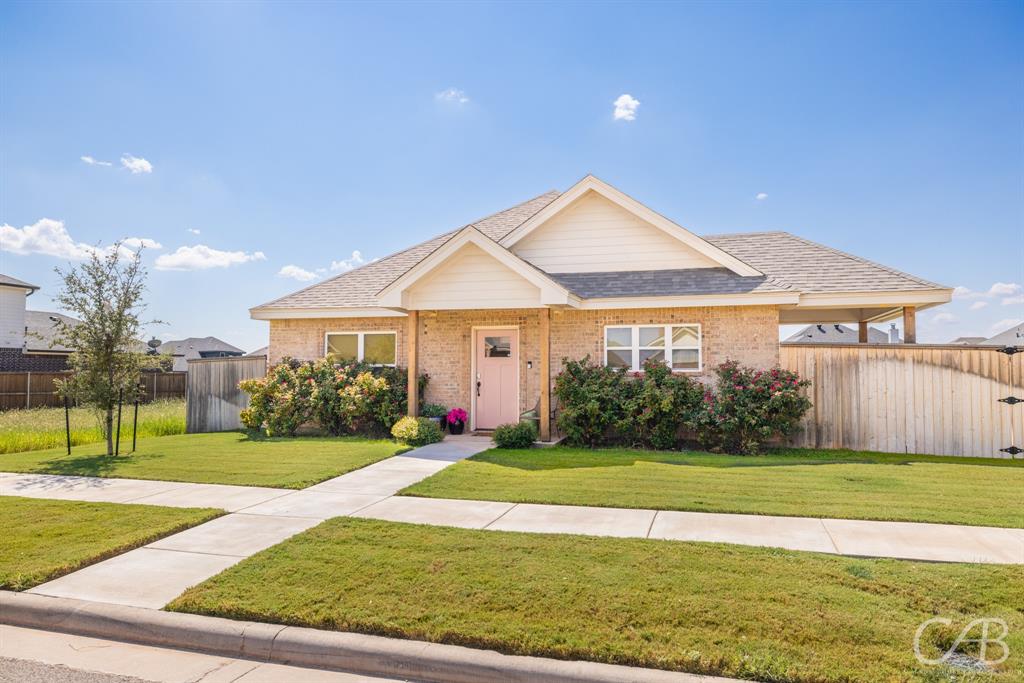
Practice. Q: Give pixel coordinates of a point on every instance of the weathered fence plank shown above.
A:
(37, 389)
(909, 398)
(213, 400)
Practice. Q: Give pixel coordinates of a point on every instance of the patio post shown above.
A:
(411, 338)
(545, 374)
(909, 325)
(862, 332)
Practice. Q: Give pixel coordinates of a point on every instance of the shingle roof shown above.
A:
(832, 334)
(682, 282)
(358, 288)
(789, 263)
(193, 346)
(41, 330)
(8, 281)
(814, 268)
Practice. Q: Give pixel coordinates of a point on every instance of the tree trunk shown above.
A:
(110, 431)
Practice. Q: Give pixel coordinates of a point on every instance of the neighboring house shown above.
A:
(841, 334)
(1011, 337)
(489, 310)
(262, 351)
(28, 338)
(184, 350)
(967, 341)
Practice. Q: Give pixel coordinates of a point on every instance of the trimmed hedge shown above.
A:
(521, 435)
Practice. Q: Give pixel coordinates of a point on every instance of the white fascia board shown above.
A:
(765, 299)
(590, 183)
(393, 296)
(287, 313)
(910, 297)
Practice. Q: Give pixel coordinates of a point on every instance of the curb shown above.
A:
(295, 646)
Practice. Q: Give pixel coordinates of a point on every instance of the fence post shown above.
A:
(28, 389)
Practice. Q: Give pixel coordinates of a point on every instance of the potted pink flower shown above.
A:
(456, 419)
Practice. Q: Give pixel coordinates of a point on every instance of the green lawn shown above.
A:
(804, 483)
(220, 458)
(41, 428)
(759, 613)
(44, 539)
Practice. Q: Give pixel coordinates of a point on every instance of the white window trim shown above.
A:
(635, 347)
(359, 344)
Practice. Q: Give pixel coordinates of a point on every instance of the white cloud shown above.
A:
(49, 237)
(961, 292)
(625, 108)
(1005, 289)
(1014, 300)
(349, 263)
(453, 95)
(94, 162)
(194, 231)
(944, 318)
(202, 257)
(136, 164)
(1004, 324)
(297, 273)
(978, 305)
(761, 196)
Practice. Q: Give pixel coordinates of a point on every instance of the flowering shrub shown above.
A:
(341, 399)
(656, 408)
(416, 431)
(591, 401)
(749, 407)
(657, 405)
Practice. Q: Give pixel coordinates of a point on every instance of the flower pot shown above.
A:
(456, 427)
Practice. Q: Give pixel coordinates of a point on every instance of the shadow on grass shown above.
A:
(562, 458)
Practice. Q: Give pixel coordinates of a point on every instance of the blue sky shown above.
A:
(251, 137)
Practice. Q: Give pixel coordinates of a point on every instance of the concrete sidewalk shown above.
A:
(155, 574)
(903, 540)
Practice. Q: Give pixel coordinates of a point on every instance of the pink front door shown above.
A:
(496, 384)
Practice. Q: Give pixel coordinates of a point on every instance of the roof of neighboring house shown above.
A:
(262, 351)
(967, 340)
(788, 262)
(41, 330)
(193, 346)
(835, 334)
(1011, 337)
(8, 281)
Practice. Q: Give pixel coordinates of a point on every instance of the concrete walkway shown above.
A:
(155, 574)
(261, 517)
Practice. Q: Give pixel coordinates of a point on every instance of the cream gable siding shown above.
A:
(12, 318)
(471, 278)
(596, 235)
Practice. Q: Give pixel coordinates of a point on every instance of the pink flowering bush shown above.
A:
(457, 415)
(280, 402)
(748, 407)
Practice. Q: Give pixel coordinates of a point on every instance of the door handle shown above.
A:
(478, 383)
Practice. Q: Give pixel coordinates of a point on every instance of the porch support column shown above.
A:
(545, 374)
(909, 325)
(411, 342)
(862, 332)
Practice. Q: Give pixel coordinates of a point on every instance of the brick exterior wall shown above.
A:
(749, 334)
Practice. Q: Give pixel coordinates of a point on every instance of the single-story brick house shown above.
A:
(489, 310)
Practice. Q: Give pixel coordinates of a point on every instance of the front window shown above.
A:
(629, 346)
(375, 348)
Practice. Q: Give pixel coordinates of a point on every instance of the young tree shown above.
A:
(105, 293)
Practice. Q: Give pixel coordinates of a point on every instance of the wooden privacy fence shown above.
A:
(214, 400)
(910, 398)
(36, 389)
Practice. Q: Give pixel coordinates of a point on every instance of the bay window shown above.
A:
(628, 346)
